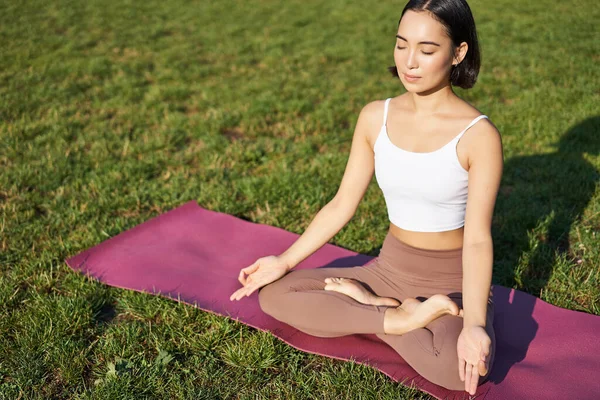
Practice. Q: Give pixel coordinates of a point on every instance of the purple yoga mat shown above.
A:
(194, 255)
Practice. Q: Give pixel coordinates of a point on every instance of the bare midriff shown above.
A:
(447, 240)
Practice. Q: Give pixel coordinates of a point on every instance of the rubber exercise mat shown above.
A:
(194, 255)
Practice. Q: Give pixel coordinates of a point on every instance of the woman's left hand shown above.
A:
(473, 349)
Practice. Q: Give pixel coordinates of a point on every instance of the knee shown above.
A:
(269, 297)
(446, 374)
(451, 381)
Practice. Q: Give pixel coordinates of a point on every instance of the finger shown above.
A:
(474, 380)
(233, 295)
(482, 368)
(468, 372)
(236, 294)
(240, 293)
(485, 356)
(482, 361)
(250, 269)
(241, 277)
(247, 271)
(461, 369)
(251, 290)
(485, 349)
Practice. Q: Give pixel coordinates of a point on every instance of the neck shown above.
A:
(431, 101)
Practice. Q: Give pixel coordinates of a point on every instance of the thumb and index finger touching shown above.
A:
(247, 271)
(247, 288)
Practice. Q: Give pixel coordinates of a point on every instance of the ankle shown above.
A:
(396, 321)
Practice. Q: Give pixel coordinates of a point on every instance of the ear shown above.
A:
(459, 53)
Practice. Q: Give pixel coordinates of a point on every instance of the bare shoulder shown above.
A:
(370, 120)
(376, 108)
(373, 111)
(483, 133)
(484, 145)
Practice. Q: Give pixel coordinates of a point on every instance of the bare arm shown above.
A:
(340, 210)
(485, 173)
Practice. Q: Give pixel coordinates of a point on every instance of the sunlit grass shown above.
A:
(112, 113)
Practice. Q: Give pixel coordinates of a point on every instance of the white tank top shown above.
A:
(424, 192)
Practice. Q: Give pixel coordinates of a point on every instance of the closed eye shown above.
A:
(400, 48)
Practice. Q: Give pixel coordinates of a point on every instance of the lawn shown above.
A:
(114, 112)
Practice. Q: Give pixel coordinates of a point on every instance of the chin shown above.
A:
(420, 87)
(414, 88)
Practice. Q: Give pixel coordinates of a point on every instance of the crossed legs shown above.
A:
(331, 302)
(320, 302)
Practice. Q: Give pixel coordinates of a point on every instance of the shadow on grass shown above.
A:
(540, 198)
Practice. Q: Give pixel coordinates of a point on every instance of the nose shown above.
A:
(411, 60)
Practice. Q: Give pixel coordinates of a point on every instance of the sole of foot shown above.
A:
(413, 314)
(410, 304)
(354, 289)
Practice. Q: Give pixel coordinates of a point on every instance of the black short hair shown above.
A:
(459, 24)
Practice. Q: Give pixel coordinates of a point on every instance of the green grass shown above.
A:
(114, 112)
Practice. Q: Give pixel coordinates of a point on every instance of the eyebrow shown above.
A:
(433, 43)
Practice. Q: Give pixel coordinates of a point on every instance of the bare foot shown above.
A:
(434, 307)
(414, 314)
(358, 292)
(410, 304)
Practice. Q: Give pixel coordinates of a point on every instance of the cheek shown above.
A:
(397, 57)
(435, 63)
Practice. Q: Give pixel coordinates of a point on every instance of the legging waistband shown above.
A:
(393, 242)
(420, 267)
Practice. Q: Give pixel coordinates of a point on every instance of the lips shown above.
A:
(411, 76)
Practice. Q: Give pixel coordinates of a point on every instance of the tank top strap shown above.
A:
(470, 125)
(385, 110)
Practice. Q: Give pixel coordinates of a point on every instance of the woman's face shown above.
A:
(423, 49)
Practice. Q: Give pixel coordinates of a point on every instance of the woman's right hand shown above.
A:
(262, 272)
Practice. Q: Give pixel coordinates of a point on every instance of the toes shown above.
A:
(454, 310)
(332, 286)
(338, 282)
(391, 302)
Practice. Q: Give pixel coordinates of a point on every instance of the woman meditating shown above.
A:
(438, 162)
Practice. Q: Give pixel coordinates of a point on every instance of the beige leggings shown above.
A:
(400, 271)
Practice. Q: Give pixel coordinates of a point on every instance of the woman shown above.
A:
(437, 248)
